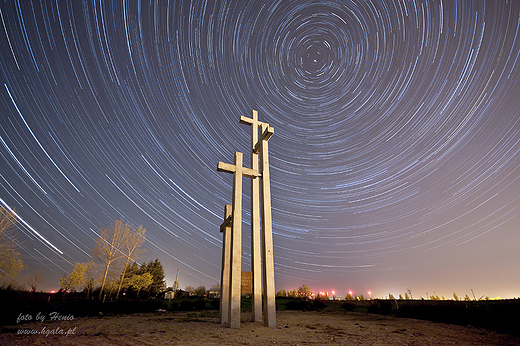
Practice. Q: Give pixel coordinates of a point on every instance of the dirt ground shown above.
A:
(293, 328)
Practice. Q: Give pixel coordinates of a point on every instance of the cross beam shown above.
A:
(229, 168)
(267, 132)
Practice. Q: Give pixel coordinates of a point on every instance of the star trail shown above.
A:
(395, 161)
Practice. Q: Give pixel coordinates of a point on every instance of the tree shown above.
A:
(391, 296)
(406, 296)
(455, 296)
(409, 292)
(107, 249)
(90, 274)
(131, 249)
(11, 263)
(200, 291)
(141, 281)
(33, 279)
(156, 269)
(76, 279)
(304, 291)
(400, 296)
(281, 293)
(189, 289)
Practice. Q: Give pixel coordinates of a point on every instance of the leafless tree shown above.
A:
(34, 279)
(131, 249)
(108, 248)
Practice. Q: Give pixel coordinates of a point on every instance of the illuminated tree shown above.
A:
(156, 269)
(10, 264)
(131, 249)
(141, 281)
(10, 260)
(406, 296)
(90, 274)
(400, 297)
(455, 296)
(107, 249)
(76, 279)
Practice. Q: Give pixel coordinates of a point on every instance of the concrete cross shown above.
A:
(236, 240)
(256, 309)
(267, 228)
(226, 229)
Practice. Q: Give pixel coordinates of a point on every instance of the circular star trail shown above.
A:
(394, 162)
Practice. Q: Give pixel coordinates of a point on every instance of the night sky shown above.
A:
(395, 160)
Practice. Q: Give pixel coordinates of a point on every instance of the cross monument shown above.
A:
(238, 172)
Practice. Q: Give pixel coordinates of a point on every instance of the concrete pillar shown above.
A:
(256, 269)
(236, 240)
(267, 231)
(226, 229)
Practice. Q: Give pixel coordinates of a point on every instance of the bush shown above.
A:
(348, 306)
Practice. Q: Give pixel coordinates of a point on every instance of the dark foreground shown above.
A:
(293, 328)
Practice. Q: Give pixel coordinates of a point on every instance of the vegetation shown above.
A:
(140, 281)
(10, 259)
(121, 242)
(76, 279)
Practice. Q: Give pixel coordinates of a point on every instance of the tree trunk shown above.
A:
(103, 284)
(122, 277)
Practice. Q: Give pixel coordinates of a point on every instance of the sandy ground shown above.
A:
(293, 328)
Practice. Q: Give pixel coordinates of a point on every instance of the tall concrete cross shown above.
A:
(236, 241)
(256, 311)
(267, 228)
(226, 229)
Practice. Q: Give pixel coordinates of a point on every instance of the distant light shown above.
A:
(370, 293)
(333, 292)
(53, 291)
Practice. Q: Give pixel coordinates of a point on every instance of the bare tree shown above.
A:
(34, 279)
(108, 248)
(409, 292)
(131, 249)
(8, 220)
